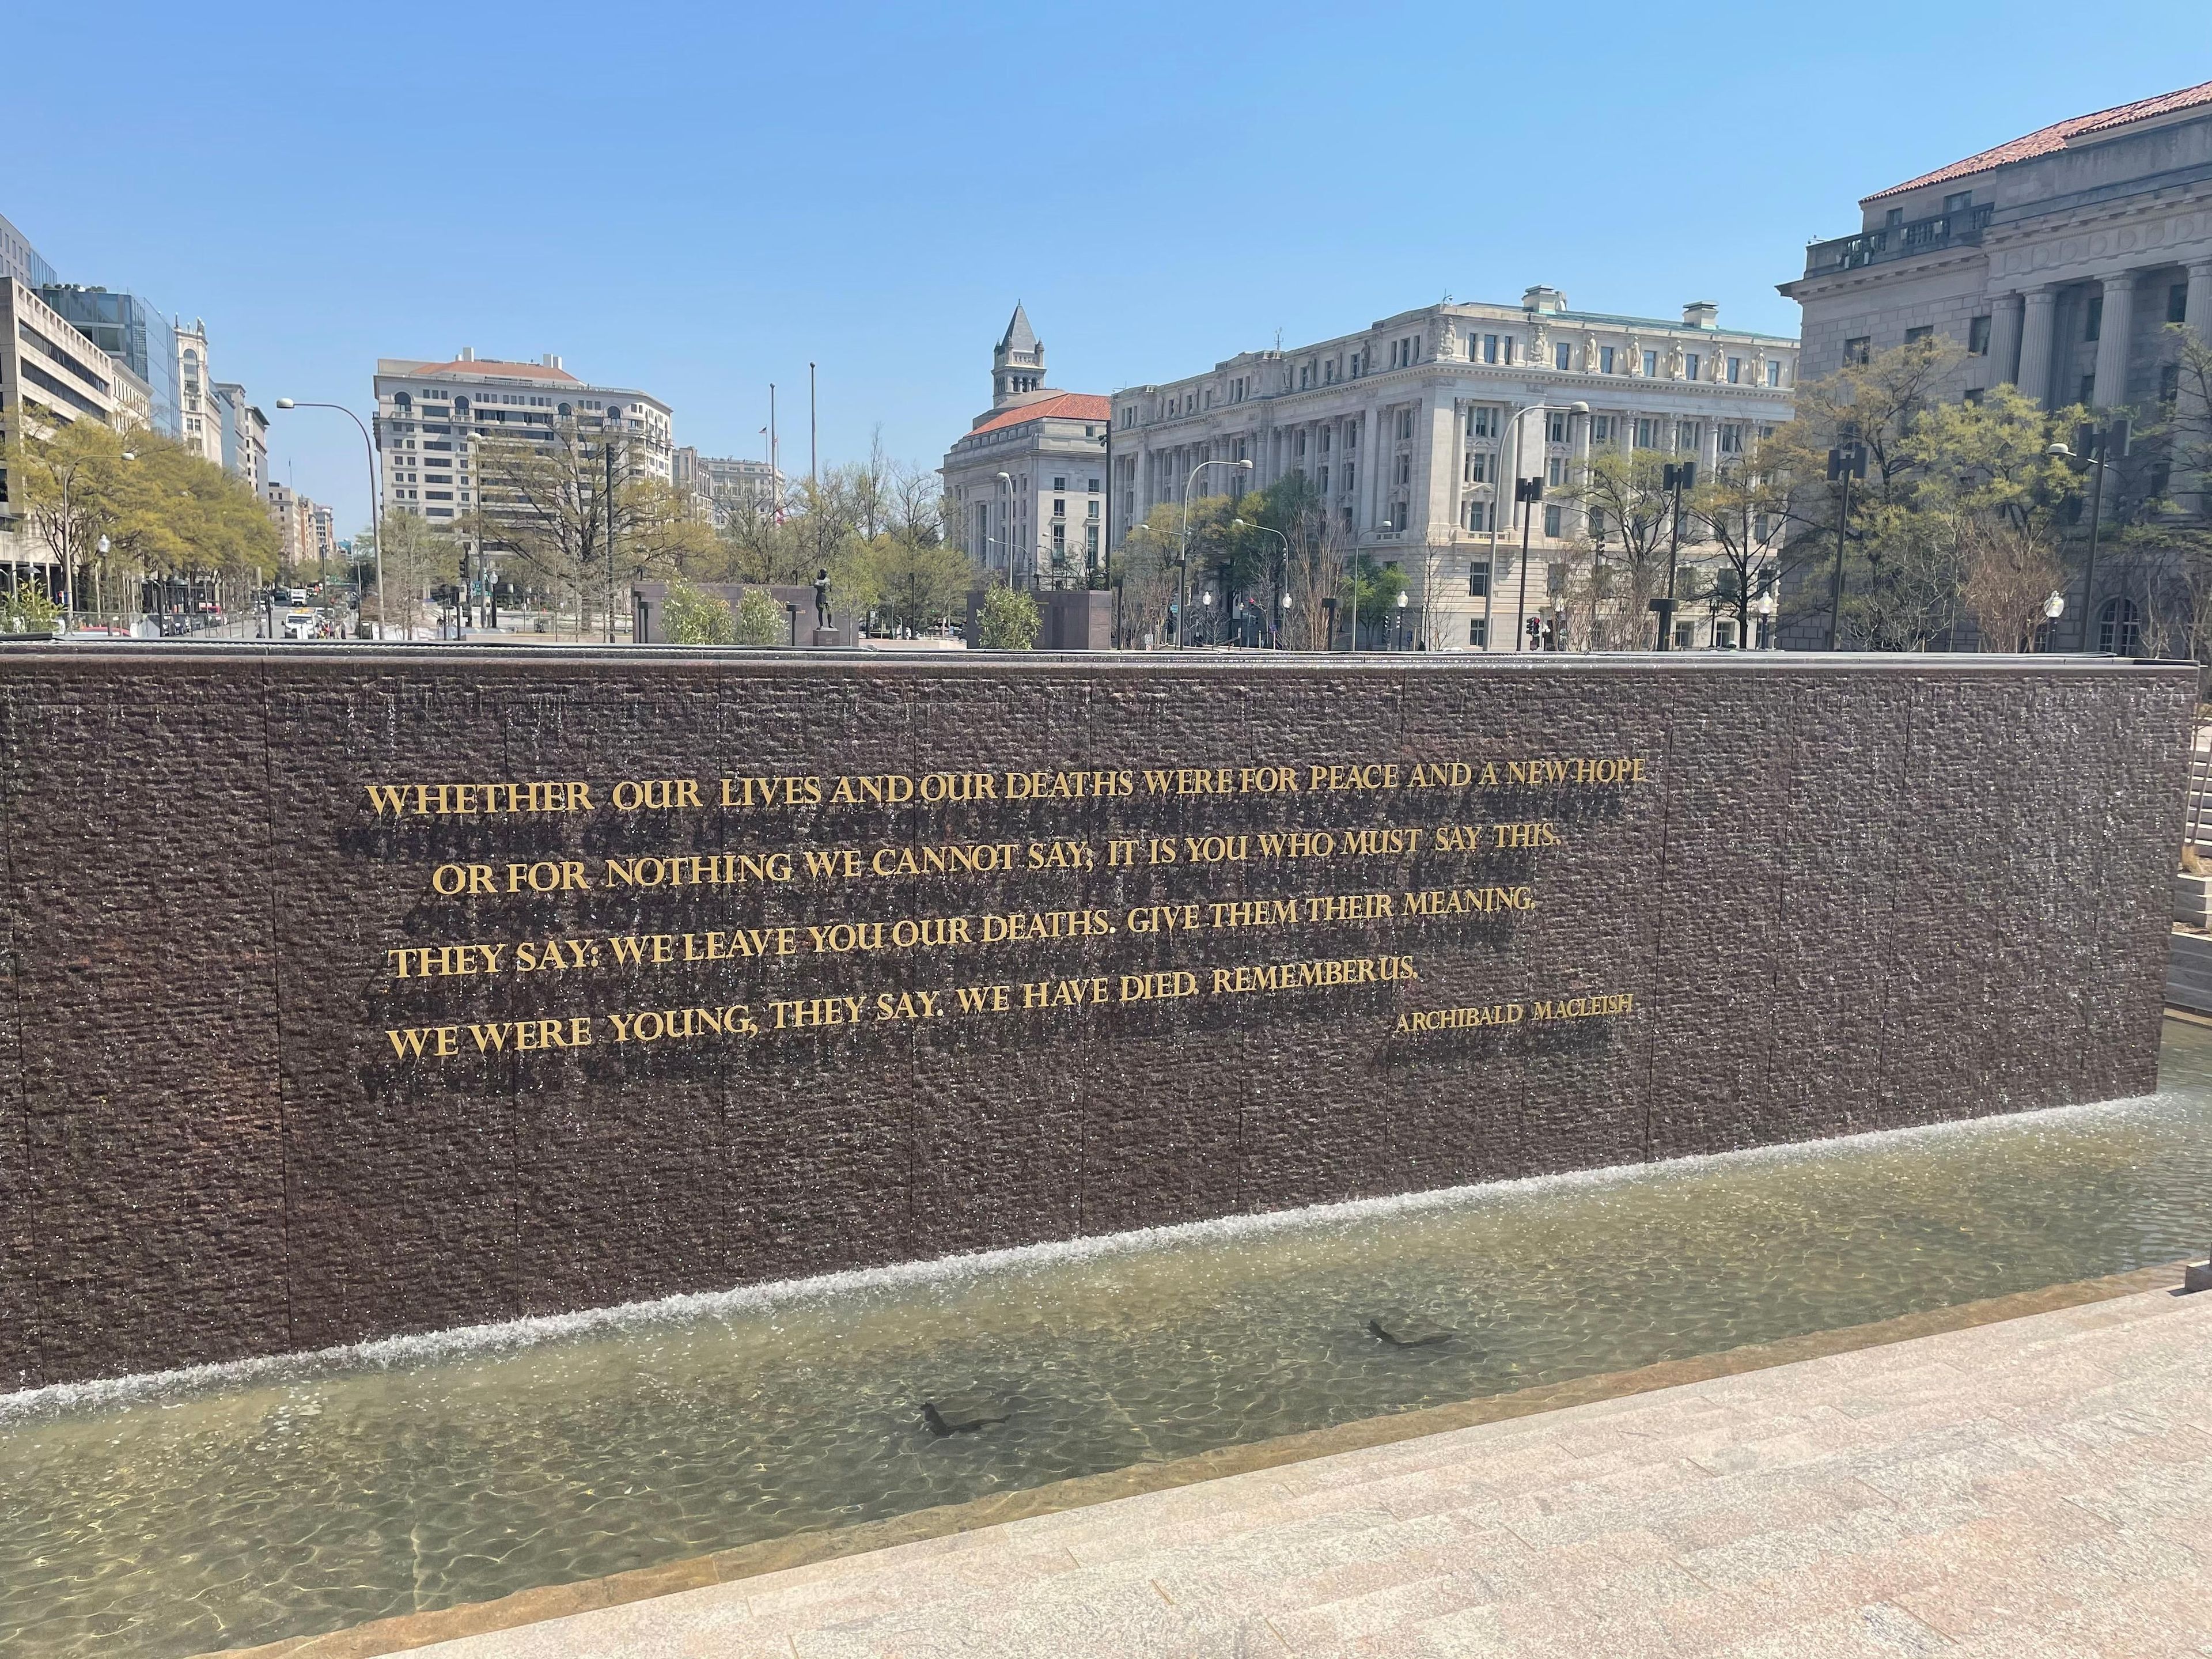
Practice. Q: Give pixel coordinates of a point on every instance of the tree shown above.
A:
(1308, 563)
(691, 617)
(557, 507)
(2011, 571)
(1010, 620)
(757, 622)
(1738, 507)
(1626, 505)
(915, 584)
(417, 556)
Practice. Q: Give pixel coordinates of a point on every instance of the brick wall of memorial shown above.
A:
(355, 991)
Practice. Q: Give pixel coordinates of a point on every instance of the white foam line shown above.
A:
(464, 1341)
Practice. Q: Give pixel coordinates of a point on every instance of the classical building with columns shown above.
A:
(1414, 427)
(2057, 260)
(1025, 486)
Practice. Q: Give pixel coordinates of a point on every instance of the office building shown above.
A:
(1025, 486)
(725, 488)
(1414, 429)
(432, 416)
(136, 334)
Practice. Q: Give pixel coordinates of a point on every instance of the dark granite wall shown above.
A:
(1847, 895)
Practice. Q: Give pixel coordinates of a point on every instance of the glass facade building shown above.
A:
(133, 332)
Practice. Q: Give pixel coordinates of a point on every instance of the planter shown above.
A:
(2192, 900)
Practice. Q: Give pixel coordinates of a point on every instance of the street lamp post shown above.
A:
(375, 509)
(2097, 448)
(1846, 461)
(1182, 557)
(1597, 575)
(1674, 478)
(1282, 570)
(1527, 492)
(1402, 598)
(1006, 523)
(2053, 609)
(1283, 623)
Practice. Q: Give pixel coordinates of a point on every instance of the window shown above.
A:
(1477, 467)
(1690, 366)
(1324, 440)
(1605, 360)
(1731, 438)
(2177, 303)
(1405, 423)
(1060, 484)
(1059, 508)
(1686, 437)
(1551, 521)
(1913, 335)
(1735, 371)
(1347, 476)
(1094, 490)
(1478, 632)
(1478, 516)
(2118, 630)
(1563, 355)
(1723, 635)
(1555, 579)
(2089, 390)
(1478, 577)
(1093, 512)
(1490, 348)
(1647, 433)
(2093, 320)
(1399, 516)
(1090, 539)
(1958, 201)
(2169, 382)
(1555, 426)
(1555, 472)
(1760, 526)
(1601, 429)
(1301, 445)
(1482, 422)
(1060, 543)
(1650, 365)
(1774, 373)
(1405, 469)
(1323, 482)
(1685, 637)
(1859, 349)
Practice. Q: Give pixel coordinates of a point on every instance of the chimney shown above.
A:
(1543, 299)
(1701, 313)
(550, 360)
(468, 354)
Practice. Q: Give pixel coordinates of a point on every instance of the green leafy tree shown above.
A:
(1010, 620)
(757, 622)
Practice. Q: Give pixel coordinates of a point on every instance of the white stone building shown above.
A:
(244, 431)
(199, 420)
(432, 416)
(1414, 428)
(1026, 485)
(2057, 260)
(727, 487)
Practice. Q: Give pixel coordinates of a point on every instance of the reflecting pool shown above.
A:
(281, 1498)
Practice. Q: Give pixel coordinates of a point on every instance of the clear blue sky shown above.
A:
(698, 199)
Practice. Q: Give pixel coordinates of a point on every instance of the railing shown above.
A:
(1961, 229)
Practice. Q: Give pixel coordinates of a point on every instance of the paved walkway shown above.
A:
(2037, 1487)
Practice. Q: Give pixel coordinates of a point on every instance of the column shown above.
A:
(2112, 336)
(2200, 323)
(2004, 339)
(2037, 319)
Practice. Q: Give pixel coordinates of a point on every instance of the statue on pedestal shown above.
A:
(821, 598)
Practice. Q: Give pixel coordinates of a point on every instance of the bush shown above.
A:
(759, 621)
(1010, 621)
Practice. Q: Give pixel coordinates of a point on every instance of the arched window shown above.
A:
(2118, 629)
(564, 411)
(402, 402)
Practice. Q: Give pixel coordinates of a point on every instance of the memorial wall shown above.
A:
(354, 991)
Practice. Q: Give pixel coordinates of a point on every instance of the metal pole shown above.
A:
(1521, 604)
(1836, 597)
(2089, 576)
(607, 446)
(1673, 558)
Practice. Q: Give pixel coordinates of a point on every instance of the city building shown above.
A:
(308, 530)
(1414, 429)
(19, 259)
(245, 432)
(137, 336)
(725, 488)
(2056, 262)
(50, 375)
(199, 429)
(1026, 484)
(431, 416)
(2056, 259)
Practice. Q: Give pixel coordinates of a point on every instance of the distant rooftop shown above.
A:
(1064, 406)
(2055, 136)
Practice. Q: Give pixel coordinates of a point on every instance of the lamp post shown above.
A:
(1763, 608)
(1403, 597)
(1007, 523)
(375, 509)
(2053, 609)
(1282, 570)
(1182, 557)
(1674, 478)
(2097, 448)
(1597, 574)
(1283, 623)
(1846, 461)
(1527, 492)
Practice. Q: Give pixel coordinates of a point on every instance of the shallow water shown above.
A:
(281, 1498)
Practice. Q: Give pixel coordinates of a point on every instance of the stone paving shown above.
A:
(2041, 1487)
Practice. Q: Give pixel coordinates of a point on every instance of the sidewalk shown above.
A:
(2041, 1487)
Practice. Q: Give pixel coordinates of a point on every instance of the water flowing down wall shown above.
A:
(353, 991)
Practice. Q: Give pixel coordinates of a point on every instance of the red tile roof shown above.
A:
(487, 368)
(2043, 140)
(1065, 406)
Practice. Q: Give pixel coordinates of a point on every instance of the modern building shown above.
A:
(19, 259)
(431, 416)
(50, 375)
(1414, 429)
(1026, 485)
(2057, 260)
(136, 334)
(725, 488)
